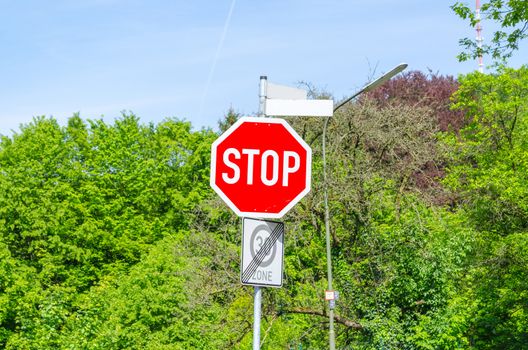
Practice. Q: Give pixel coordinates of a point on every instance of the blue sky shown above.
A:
(155, 58)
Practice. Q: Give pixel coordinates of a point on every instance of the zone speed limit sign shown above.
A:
(262, 253)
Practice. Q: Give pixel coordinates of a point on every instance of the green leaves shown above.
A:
(488, 171)
(82, 204)
(512, 18)
(110, 237)
(489, 163)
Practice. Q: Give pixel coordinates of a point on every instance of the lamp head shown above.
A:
(374, 84)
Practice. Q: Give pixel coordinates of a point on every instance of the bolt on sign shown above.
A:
(261, 167)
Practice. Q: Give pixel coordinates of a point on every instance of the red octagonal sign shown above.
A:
(261, 167)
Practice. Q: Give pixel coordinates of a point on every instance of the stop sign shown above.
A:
(261, 167)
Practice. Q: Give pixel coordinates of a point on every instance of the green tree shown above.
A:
(110, 237)
(84, 203)
(389, 266)
(510, 15)
(489, 164)
(169, 300)
(489, 173)
(229, 119)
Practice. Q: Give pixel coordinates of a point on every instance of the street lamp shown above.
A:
(372, 85)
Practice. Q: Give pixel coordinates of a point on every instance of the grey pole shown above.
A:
(328, 246)
(257, 302)
(257, 296)
(385, 77)
(262, 95)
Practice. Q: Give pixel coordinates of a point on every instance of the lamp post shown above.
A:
(387, 76)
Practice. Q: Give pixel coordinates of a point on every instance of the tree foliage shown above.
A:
(489, 173)
(430, 95)
(489, 162)
(416, 89)
(510, 15)
(110, 237)
(82, 203)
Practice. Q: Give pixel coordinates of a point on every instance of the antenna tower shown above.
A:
(479, 37)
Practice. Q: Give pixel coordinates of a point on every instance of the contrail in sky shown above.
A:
(213, 66)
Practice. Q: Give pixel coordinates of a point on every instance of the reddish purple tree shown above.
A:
(432, 92)
(415, 88)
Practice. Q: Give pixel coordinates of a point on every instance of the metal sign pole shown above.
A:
(261, 259)
(331, 331)
(257, 302)
(262, 95)
(257, 296)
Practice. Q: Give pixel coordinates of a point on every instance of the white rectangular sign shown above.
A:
(262, 253)
(276, 91)
(329, 295)
(299, 108)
